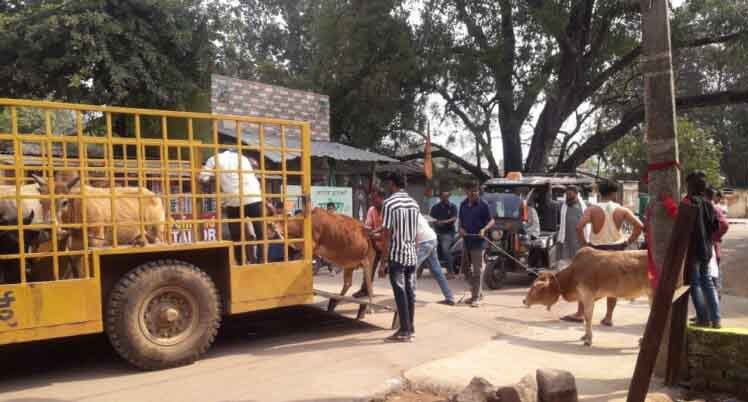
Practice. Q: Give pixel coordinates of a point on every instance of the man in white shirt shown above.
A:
(239, 189)
(426, 242)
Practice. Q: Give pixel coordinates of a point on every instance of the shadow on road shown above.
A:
(90, 357)
(571, 346)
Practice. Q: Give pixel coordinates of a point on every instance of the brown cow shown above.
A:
(341, 240)
(99, 217)
(592, 275)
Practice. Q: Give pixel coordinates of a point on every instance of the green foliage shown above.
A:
(697, 150)
(360, 53)
(148, 53)
(717, 68)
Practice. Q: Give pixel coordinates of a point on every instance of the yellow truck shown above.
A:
(111, 221)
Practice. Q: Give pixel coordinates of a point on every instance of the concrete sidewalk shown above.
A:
(533, 341)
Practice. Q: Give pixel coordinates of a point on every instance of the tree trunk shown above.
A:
(511, 145)
(543, 138)
(662, 141)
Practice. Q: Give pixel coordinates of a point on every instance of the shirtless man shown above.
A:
(607, 218)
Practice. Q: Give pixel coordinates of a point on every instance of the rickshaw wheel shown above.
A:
(495, 274)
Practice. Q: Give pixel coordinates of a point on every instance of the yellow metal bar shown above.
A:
(164, 153)
(140, 155)
(49, 175)
(82, 155)
(217, 180)
(110, 175)
(306, 162)
(243, 257)
(193, 182)
(284, 192)
(263, 193)
(143, 112)
(17, 152)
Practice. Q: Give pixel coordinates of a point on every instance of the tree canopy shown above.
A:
(141, 53)
(556, 81)
(537, 64)
(361, 53)
(698, 149)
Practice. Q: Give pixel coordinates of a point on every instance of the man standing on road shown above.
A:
(475, 220)
(713, 195)
(426, 250)
(445, 214)
(373, 224)
(607, 218)
(571, 213)
(237, 176)
(400, 225)
(703, 292)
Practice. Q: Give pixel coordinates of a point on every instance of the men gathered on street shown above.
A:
(400, 225)
(445, 214)
(607, 218)
(426, 248)
(475, 220)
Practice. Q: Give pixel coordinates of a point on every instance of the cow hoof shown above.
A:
(587, 342)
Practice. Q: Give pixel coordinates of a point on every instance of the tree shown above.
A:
(360, 53)
(146, 53)
(552, 57)
(697, 150)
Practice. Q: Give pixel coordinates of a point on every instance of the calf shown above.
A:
(593, 274)
(341, 240)
(99, 215)
(10, 270)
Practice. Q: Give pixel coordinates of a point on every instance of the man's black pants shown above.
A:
(253, 210)
(403, 281)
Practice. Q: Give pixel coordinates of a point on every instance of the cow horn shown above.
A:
(39, 180)
(73, 182)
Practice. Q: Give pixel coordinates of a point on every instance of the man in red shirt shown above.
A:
(373, 224)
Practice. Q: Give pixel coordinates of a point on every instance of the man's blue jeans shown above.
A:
(445, 242)
(426, 251)
(403, 281)
(704, 293)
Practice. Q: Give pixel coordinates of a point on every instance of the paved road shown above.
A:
(304, 354)
(296, 354)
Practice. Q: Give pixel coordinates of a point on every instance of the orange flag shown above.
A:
(427, 165)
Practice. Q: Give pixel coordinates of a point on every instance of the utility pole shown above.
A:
(661, 134)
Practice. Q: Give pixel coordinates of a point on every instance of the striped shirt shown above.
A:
(401, 219)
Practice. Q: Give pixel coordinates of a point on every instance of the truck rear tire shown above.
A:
(495, 274)
(163, 314)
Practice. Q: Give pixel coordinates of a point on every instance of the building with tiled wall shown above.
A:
(251, 98)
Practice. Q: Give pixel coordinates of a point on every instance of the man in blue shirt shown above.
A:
(475, 220)
(445, 214)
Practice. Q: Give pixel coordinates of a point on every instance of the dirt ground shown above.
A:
(305, 354)
(415, 396)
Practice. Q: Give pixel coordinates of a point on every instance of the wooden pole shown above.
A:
(661, 137)
(657, 322)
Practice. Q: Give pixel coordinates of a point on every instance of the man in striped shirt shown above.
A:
(400, 225)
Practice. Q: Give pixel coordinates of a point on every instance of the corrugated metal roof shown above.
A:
(327, 149)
